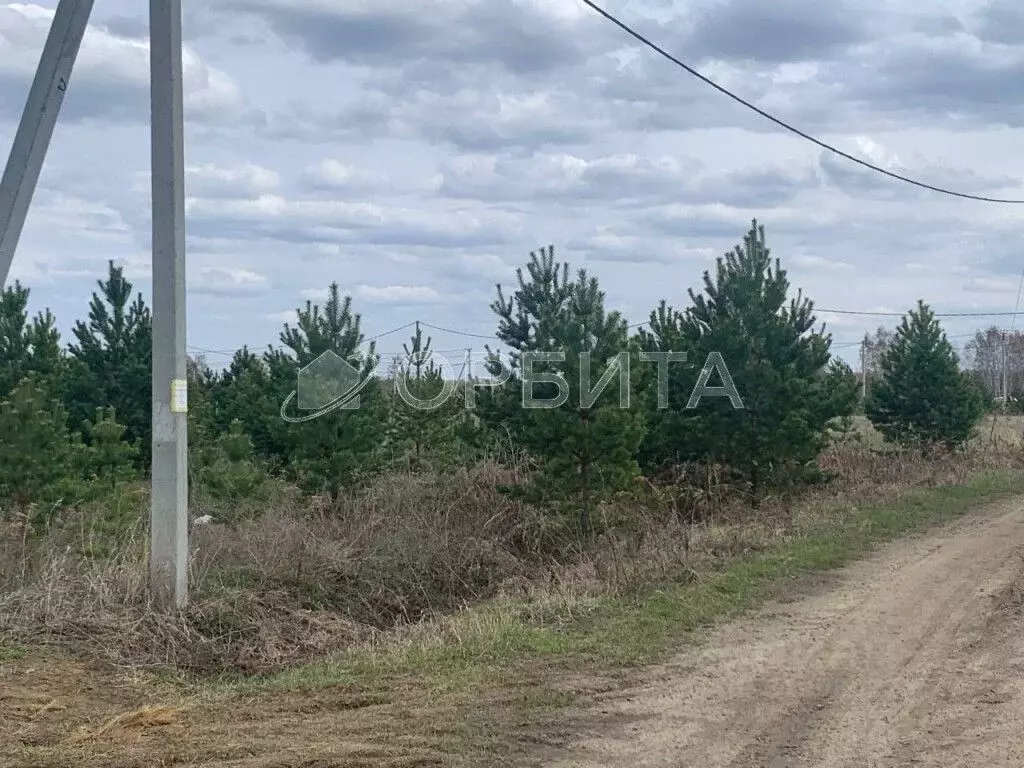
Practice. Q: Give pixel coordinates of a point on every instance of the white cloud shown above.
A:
(216, 181)
(990, 285)
(111, 74)
(398, 293)
(416, 151)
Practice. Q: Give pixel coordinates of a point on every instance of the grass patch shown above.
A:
(11, 651)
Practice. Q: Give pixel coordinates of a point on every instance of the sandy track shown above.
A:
(916, 658)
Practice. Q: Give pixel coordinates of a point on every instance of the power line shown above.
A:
(858, 343)
(490, 337)
(866, 313)
(901, 314)
(388, 333)
(906, 179)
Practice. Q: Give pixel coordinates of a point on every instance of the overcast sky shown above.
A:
(415, 151)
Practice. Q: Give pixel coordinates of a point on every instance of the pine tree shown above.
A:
(337, 449)
(39, 460)
(779, 365)
(922, 397)
(525, 321)
(585, 447)
(110, 458)
(111, 361)
(228, 470)
(426, 430)
(26, 347)
(664, 335)
(245, 392)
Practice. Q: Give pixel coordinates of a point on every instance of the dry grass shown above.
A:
(301, 581)
(374, 594)
(280, 588)
(996, 429)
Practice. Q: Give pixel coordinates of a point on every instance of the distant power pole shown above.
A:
(864, 368)
(39, 118)
(168, 557)
(1005, 393)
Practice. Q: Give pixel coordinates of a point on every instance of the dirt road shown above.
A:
(915, 659)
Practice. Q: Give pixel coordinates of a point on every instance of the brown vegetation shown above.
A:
(277, 589)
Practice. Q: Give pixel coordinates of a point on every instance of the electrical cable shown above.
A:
(492, 337)
(899, 177)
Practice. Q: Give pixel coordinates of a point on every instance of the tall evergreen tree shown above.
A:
(26, 347)
(585, 445)
(923, 397)
(664, 335)
(337, 449)
(111, 361)
(779, 364)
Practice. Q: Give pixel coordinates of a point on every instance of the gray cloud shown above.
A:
(776, 32)
(470, 119)
(523, 38)
(858, 181)
(1000, 21)
(951, 80)
(625, 180)
(313, 221)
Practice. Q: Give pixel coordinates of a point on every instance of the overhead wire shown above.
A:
(492, 337)
(781, 123)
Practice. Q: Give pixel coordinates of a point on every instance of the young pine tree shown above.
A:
(781, 367)
(39, 459)
(109, 457)
(425, 428)
(111, 361)
(337, 449)
(525, 322)
(245, 392)
(26, 347)
(583, 439)
(664, 335)
(227, 469)
(922, 397)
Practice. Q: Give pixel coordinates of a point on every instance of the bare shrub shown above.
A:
(293, 582)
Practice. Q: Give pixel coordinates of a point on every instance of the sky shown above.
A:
(417, 151)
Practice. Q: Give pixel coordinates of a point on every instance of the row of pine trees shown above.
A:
(75, 419)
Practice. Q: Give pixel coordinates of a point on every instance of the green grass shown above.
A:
(11, 652)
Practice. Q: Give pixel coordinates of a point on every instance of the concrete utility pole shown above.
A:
(169, 510)
(38, 120)
(169, 523)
